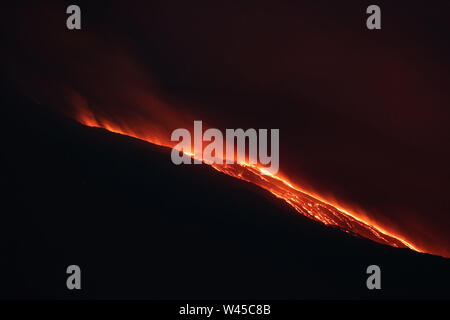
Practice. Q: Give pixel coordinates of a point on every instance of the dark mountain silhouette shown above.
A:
(141, 227)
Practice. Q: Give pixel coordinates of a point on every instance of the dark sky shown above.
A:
(363, 115)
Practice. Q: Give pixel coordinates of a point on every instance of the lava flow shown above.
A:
(306, 203)
(313, 206)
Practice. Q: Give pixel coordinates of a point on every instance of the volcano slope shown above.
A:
(141, 227)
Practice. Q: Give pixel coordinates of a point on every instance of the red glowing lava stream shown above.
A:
(306, 203)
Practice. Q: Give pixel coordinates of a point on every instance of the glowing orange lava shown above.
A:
(304, 202)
